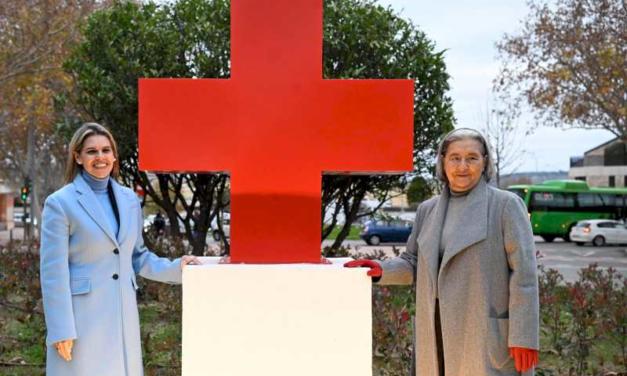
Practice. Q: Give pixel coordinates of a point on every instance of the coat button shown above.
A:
(115, 276)
(116, 251)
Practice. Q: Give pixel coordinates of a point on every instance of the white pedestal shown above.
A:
(276, 320)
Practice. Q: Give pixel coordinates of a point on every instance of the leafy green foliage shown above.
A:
(128, 41)
(365, 40)
(584, 323)
(419, 190)
(190, 38)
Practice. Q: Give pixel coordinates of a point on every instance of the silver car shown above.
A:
(599, 232)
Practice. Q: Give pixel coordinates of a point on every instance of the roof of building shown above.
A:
(603, 145)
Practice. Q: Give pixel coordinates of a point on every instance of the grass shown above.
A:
(352, 235)
(22, 343)
(22, 371)
(20, 338)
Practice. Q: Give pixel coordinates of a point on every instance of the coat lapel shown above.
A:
(474, 223)
(123, 209)
(87, 199)
(429, 238)
(475, 229)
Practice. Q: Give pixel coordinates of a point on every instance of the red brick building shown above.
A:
(6, 207)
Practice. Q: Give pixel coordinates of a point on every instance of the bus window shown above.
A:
(609, 200)
(590, 201)
(551, 201)
(587, 200)
(601, 203)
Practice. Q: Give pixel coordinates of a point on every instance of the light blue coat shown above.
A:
(88, 281)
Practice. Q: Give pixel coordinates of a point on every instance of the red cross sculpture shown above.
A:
(276, 126)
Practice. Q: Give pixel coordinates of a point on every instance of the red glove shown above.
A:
(375, 268)
(524, 358)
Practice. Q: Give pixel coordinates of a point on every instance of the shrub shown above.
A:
(583, 324)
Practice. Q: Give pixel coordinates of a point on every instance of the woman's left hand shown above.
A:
(523, 358)
(189, 260)
(375, 268)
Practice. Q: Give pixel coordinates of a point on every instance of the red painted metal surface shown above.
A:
(276, 125)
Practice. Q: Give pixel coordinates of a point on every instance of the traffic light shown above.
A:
(24, 193)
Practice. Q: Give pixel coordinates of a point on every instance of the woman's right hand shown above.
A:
(375, 268)
(64, 348)
(190, 260)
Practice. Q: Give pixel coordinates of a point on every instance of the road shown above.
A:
(567, 258)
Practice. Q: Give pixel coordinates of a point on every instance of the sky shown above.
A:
(468, 31)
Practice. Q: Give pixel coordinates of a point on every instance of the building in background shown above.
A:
(602, 166)
(6, 207)
(531, 177)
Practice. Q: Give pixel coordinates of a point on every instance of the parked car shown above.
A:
(377, 232)
(599, 232)
(19, 220)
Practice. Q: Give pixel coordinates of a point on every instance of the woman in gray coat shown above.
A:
(471, 255)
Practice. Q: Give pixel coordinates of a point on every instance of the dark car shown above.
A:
(377, 232)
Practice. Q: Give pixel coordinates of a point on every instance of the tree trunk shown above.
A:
(168, 206)
(350, 208)
(28, 176)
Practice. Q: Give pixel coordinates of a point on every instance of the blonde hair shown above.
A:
(464, 134)
(76, 145)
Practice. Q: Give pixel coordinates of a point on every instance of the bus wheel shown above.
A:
(567, 236)
(548, 238)
(598, 241)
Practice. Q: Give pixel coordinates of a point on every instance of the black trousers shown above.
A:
(438, 337)
(438, 340)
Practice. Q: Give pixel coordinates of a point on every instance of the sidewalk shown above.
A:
(18, 234)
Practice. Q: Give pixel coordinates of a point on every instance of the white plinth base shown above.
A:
(276, 320)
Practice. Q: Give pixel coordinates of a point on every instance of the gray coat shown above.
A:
(487, 284)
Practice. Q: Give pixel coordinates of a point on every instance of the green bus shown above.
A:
(555, 206)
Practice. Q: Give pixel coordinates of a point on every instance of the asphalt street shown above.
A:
(567, 258)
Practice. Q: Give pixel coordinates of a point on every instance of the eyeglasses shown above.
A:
(456, 160)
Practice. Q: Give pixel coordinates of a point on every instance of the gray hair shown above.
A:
(464, 134)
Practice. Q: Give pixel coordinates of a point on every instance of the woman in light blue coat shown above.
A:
(91, 250)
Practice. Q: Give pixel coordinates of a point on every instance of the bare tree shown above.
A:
(35, 38)
(506, 138)
(33, 33)
(568, 63)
